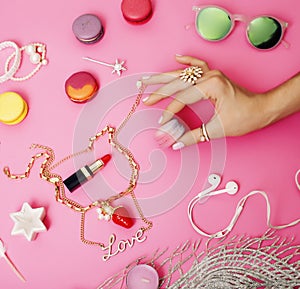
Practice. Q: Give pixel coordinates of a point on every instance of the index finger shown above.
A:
(160, 78)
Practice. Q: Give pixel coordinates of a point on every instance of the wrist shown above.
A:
(283, 100)
(272, 107)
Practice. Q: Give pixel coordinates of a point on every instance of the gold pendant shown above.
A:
(122, 244)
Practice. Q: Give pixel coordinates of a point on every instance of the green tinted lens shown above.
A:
(213, 23)
(264, 32)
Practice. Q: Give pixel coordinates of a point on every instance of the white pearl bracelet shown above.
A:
(15, 66)
(37, 56)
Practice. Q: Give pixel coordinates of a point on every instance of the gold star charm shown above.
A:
(28, 222)
(191, 74)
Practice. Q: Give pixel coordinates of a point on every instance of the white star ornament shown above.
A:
(28, 222)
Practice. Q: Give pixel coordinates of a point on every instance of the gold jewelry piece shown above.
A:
(201, 136)
(205, 134)
(55, 179)
(191, 74)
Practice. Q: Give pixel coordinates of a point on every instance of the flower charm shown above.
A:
(105, 211)
(118, 67)
(191, 74)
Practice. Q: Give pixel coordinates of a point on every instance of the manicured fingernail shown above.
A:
(179, 55)
(145, 99)
(138, 84)
(146, 77)
(177, 146)
(160, 120)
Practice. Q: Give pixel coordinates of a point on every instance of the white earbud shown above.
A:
(215, 181)
(231, 188)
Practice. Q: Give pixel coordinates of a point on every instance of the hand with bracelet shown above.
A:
(238, 111)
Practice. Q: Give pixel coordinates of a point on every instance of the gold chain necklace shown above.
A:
(46, 173)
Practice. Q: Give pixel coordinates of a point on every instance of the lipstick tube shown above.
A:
(85, 173)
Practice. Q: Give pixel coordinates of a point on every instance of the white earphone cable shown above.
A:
(238, 211)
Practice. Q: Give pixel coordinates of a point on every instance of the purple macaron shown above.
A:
(88, 28)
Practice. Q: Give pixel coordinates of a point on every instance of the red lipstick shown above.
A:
(85, 173)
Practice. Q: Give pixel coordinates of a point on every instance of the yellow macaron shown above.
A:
(13, 108)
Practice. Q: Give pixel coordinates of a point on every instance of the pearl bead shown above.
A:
(35, 58)
(40, 49)
(109, 210)
(44, 61)
(30, 49)
(107, 217)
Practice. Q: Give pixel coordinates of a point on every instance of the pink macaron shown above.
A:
(136, 11)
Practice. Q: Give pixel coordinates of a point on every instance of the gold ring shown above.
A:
(191, 74)
(201, 135)
(204, 132)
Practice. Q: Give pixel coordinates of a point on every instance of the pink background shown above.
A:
(266, 160)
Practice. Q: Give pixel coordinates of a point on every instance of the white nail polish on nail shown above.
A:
(160, 120)
(177, 146)
(146, 77)
(145, 99)
(179, 55)
(138, 84)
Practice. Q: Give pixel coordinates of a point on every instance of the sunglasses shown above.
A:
(263, 32)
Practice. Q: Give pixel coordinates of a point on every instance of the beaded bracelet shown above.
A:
(16, 64)
(37, 56)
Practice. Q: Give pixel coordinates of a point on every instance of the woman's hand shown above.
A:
(237, 110)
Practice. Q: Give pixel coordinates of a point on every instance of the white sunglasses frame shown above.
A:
(247, 20)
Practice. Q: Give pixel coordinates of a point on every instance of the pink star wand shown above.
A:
(9, 262)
